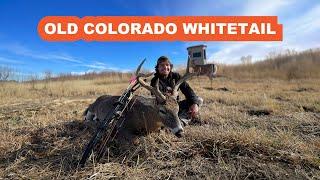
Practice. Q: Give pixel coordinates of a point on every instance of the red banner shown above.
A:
(160, 28)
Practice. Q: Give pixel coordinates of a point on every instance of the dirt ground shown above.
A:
(251, 129)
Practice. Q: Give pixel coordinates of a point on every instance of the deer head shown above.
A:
(167, 104)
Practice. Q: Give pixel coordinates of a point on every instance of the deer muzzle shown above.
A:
(178, 131)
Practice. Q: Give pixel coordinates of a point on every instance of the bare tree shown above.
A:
(47, 78)
(33, 78)
(246, 59)
(47, 75)
(5, 73)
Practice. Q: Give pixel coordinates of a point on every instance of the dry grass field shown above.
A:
(251, 128)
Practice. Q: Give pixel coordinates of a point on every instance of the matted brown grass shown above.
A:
(267, 129)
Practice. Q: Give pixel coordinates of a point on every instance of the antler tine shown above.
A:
(139, 67)
(141, 75)
(145, 75)
(142, 82)
(186, 76)
(155, 90)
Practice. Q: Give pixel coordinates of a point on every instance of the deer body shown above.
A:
(141, 117)
(143, 114)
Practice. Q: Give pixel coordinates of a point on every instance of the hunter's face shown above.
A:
(164, 68)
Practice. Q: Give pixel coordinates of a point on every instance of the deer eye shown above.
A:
(162, 111)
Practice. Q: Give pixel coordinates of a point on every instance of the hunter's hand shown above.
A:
(193, 110)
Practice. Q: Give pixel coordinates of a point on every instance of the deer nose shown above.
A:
(179, 133)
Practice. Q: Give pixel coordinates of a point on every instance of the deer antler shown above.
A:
(186, 76)
(155, 90)
(139, 67)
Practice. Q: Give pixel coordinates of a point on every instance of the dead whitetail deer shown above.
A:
(144, 114)
(127, 116)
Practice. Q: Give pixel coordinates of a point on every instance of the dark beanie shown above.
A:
(163, 59)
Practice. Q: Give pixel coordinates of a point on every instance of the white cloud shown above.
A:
(9, 60)
(98, 66)
(266, 8)
(18, 49)
(233, 51)
(300, 30)
(81, 72)
(91, 66)
(99, 71)
(94, 66)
